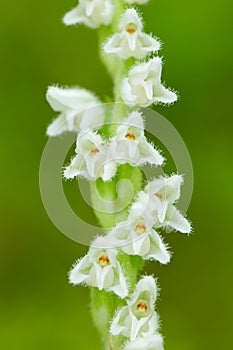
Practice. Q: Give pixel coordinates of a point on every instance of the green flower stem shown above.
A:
(103, 304)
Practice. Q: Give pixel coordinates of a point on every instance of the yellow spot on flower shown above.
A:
(141, 228)
(159, 195)
(142, 306)
(131, 29)
(104, 259)
(94, 151)
(130, 136)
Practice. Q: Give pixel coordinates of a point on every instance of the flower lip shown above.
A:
(104, 259)
(140, 228)
(142, 306)
(131, 28)
(94, 150)
(130, 136)
(159, 195)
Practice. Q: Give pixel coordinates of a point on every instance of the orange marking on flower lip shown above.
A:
(94, 151)
(130, 136)
(142, 306)
(104, 259)
(141, 228)
(159, 195)
(131, 29)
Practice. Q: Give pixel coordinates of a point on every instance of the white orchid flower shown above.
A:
(138, 318)
(92, 13)
(131, 41)
(90, 161)
(135, 236)
(158, 200)
(79, 109)
(130, 145)
(142, 87)
(155, 342)
(100, 268)
(163, 194)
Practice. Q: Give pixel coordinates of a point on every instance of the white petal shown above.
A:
(58, 126)
(91, 13)
(80, 272)
(120, 288)
(104, 277)
(141, 245)
(92, 118)
(148, 154)
(146, 283)
(130, 16)
(150, 44)
(164, 95)
(176, 220)
(155, 342)
(74, 98)
(137, 325)
(117, 326)
(110, 169)
(158, 250)
(75, 167)
(73, 17)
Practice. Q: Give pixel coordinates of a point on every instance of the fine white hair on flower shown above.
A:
(129, 145)
(158, 201)
(79, 109)
(138, 318)
(143, 87)
(131, 41)
(155, 342)
(92, 13)
(100, 268)
(138, 2)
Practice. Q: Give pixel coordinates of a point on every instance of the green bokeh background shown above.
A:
(38, 308)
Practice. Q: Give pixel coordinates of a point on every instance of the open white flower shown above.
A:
(155, 342)
(100, 268)
(131, 41)
(130, 145)
(163, 193)
(92, 13)
(143, 85)
(158, 199)
(135, 236)
(79, 109)
(90, 161)
(138, 2)
(138, 318)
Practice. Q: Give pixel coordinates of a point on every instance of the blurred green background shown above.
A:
(39, 309)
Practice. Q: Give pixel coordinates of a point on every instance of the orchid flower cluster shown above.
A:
(113, 262)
